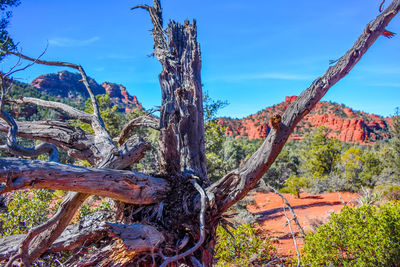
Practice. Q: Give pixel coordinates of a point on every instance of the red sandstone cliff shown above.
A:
(66, 84)
(342, 122)
(118, 93)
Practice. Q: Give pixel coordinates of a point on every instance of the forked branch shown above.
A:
(97, 122)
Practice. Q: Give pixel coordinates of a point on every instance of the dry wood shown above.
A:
(89, 229)
(303, 234)
(13, 147)
(126, 186)
(40, 238)
(102, 138)
(136, 237)
(181, 152)
(181, 119)
(143, 121)
(73, 112)
(75, 141)
(293, 236)
(203, 199)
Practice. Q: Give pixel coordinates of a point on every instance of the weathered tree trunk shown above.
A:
(169, 217)
(181, 120)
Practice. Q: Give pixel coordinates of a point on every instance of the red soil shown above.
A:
(309, 209)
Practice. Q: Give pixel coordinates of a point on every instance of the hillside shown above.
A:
(342, 122)
(66, 84)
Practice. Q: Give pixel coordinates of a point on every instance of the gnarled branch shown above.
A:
(126, 186)
(75, 141)
(90, 228)
(142, 121)
(102, 137)
(73, 112)
(13, 147)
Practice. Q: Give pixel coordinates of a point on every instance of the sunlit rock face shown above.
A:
(341, 122)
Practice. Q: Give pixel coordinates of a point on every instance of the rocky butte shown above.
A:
(342, 122)
(66, 84)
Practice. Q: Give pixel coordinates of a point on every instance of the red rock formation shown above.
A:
(66, 84)
(119, 94)
(342, 122)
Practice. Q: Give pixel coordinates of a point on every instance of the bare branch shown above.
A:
(13, 147)
(293, 236)
(160, 42)
(143, 121)
(291, 210)
(102, 136)
(126, 186)
(237, 183)
(130, 152)
(13, 70)
(73, 112)
(75, 141)
(145, 7)
(203, 199)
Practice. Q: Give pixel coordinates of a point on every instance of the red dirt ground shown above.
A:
(309, 209)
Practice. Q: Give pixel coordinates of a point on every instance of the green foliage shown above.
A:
(113, 119)
(395, 146)
(6, 42)
(26, 209)
(245, 248)
(293, 185)
(392, 192)
(285, 165)
(320, 154)
(366, 236)
(86, 210)
(360, 167)
(211, 107)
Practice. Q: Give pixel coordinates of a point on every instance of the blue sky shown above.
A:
(254, 52)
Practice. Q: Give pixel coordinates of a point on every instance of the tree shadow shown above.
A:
(274, 213)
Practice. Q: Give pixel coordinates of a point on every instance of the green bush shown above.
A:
(245, 248)
(26, 209)
(86, 210)
(364, 236)
(293, 185)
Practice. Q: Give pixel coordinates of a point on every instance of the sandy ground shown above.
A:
(310, 210)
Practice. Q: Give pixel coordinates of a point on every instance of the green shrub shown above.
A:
(366, 236)
(245, 248)
(86, 210)
(26, 209)
(293, 185)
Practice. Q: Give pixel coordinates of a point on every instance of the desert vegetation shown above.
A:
(167, 184)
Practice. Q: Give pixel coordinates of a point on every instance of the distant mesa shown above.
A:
(342, 122)
(66, 84)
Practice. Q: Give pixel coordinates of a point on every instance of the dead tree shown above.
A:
(165, 218)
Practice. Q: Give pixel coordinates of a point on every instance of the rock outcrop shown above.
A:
(342, 122)
(119, 94)
(66, 84)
